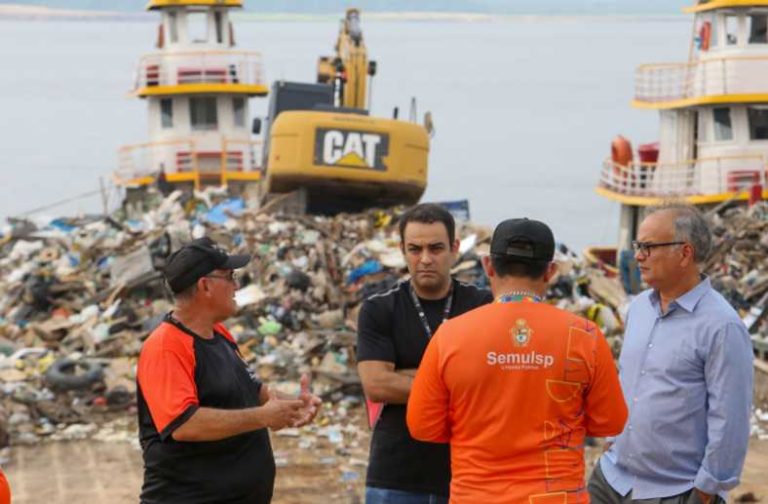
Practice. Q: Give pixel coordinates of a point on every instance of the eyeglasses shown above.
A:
(645, 248)
(230, 277)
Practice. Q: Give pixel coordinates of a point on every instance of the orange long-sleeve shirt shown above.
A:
(515, 388)
(5, 490)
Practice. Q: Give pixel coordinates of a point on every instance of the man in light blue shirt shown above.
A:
(686, 372)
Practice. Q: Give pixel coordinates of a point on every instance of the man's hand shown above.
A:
(310, 401)
(280, 413)
(705, 498)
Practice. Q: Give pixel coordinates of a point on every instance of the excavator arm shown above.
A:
(349, 69)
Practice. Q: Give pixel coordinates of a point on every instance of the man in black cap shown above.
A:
(515, 386)
(203, 414)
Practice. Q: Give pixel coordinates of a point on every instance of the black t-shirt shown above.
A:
(389, 329)
(179, 372)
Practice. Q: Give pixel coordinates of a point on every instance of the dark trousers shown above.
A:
(386, 496)
(601, 492)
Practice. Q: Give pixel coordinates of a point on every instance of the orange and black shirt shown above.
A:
(179, 372)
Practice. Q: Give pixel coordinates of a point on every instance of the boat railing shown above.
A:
(200, 67)
(136, 162)
(702, 176)
(190, 160)
(726, 75)
(241, 159)
(664, 82)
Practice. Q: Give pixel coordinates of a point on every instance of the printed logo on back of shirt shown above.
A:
(521, 335)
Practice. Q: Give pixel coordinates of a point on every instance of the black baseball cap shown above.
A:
(197, 259)
(524, 240)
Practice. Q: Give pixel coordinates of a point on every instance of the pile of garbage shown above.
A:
(758, 424)
(738, 266)
(79, 295)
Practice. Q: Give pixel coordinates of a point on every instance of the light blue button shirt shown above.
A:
(687, 379)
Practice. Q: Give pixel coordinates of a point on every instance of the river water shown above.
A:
(524, 108)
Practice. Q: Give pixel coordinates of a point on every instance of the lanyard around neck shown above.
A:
(423, 315)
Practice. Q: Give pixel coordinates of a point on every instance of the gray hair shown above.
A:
(185, 295)
(690, 226)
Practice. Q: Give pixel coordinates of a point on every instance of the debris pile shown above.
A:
(738, 266)
(590, 291)
(78, 296)
(759, 424)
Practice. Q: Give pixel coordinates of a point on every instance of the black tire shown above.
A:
(62, 374)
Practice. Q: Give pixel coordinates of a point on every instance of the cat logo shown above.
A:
(351, 149)
(521, 333)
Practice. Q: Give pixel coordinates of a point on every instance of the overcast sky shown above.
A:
(483, 6)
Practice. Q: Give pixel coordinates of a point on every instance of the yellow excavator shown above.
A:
(322, 143)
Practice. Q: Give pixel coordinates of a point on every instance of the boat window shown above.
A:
(702, 129)
(758, 123)
(173, 27)
(723, 129)
(731, 30)
(166, 113)
(758, 29)
(219, 27)
(197, 26)
(239, 110)
(202, 111)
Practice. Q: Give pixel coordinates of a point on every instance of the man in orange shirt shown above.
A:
(515, 386)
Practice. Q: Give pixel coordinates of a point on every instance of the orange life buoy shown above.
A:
(621, 151)
(705, 36)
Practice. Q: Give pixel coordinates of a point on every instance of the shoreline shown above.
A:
(18, 12)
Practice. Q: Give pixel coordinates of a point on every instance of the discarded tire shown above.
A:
(119, 396)
(63, 374)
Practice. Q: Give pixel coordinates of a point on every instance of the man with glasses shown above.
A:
(686, 372)
(203, 414)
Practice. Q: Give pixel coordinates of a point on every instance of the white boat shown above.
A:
(196, 86)
(713, 111)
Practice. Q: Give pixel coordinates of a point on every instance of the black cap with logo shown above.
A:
(523, 239)
(195, 260)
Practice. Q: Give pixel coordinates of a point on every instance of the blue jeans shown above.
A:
(386, 496)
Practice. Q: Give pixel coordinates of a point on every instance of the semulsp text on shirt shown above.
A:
(520, 361)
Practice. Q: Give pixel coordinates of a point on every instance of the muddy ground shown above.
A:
(102, 472)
